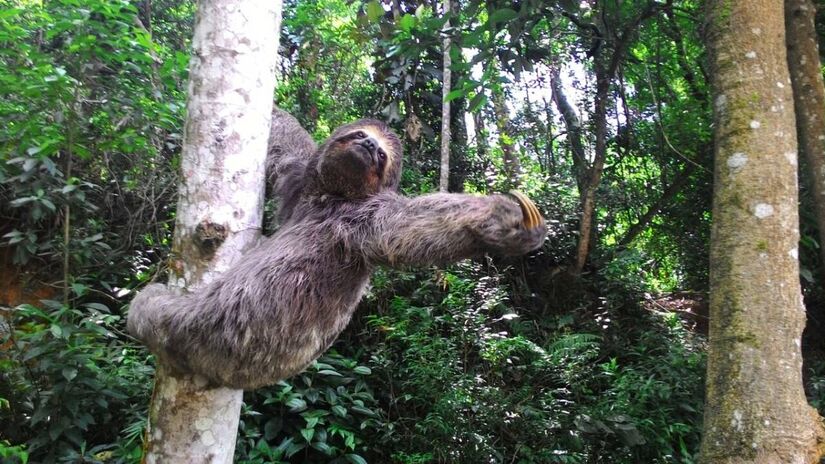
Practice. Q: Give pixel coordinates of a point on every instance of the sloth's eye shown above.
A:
(361, 135)
(382, 155)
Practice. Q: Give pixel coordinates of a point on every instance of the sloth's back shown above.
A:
(272, 314)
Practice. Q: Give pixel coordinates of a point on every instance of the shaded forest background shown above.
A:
(558, 357)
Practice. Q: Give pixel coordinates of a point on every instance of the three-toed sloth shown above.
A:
(288, 299)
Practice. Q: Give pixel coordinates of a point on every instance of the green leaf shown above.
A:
(308, 433)
(314, 413)
(69, 373)
(362, 370)
(312, 395)
(502, 15)
(15, 237)
(94, 238)
(97, 306)
(322, 447)
(406, 22)
(355, 459)
(18, 202)
(293, 448)
(329, 372)
(296, 404)
(332, 397)
(339, 410)
(312, 422)
(806, 274)
(477, 102)
(80, 290)
(374, 10)
(56, 330)
(364, 411)
(454, 94)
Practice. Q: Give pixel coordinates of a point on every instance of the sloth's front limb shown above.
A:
(443, 228)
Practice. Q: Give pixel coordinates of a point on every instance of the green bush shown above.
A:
(465, 377)
(72, 384)
(324, 414)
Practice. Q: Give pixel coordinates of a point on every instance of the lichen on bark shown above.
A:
(756, 410)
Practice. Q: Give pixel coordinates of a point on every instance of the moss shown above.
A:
(747, 338)
(741, 112)
(735, 199)
(762, 245)
(723, 13)
(725, 10)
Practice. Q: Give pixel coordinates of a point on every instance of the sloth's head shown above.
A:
(360, 159)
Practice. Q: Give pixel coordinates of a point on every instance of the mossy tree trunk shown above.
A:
(220, 206)
(809, 99)
(756, 410)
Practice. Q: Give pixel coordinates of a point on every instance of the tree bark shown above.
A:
(573, 127)
(220, 206)
(605, 67)
(755, 408)
(444, 181)
(809, 99)
(593, 177)
(512, 165)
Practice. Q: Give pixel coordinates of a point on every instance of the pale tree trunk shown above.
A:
(809, 100)
(232, 77)
(573, 126)
(445, 106)
(755, 408)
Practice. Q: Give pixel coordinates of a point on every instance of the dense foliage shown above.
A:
(485, 361)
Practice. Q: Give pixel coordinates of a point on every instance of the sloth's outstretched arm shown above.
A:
(443, 228)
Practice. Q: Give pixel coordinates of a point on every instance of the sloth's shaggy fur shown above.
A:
(289, 298)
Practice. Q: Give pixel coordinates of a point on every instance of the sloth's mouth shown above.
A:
(365, 152)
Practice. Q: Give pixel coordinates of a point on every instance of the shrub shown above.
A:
(72, 383)
(324, 414)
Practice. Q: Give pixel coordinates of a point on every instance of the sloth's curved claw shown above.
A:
(532, 217)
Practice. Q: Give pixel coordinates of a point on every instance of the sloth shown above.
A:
(290, 148)
(289, 298)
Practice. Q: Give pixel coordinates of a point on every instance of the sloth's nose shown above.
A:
(370, 144)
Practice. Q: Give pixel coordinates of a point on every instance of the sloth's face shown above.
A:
(359, 161)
